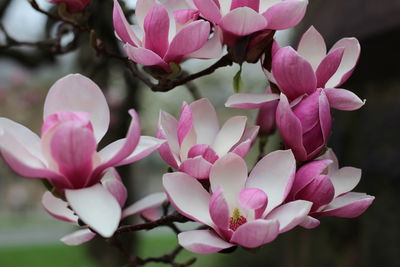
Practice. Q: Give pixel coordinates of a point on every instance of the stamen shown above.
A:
(236, 220)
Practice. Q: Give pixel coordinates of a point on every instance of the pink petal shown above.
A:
(96, 207)
(350, 205)
(219, 209)
(253, 4)
(184, 16)
(189, 39)
(350, 57)
(166, 154)
(319, 191)
(310, 223)
(312, 47)
(294, 75)
(285, 14)
(205, 121)
(243, 21)
(325, 116)
(290, 215)
(343, 99)
(328, 66)
(250, 101)
(230, 173)
(205, 151)
(188, 196)
(145, 57)
(156, 30)
(143, 7)
(196, 167)
(148, 202)
(243, 146)
(209, 10)
(185, 122)
(330, 155)
(274, 174)
(145, 147)
(122, 27)
(345, 179)
(168, 127)
(78, 237)
(75, 92)
(256, 233)
(230, 133)
(252, 198)
(112, 182)
(266, 117)
(202, 241)
(211, 49)
(58, 208)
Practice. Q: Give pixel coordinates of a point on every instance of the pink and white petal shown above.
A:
(252, 198)
(58, 208)
(285, 14)
(343, 99)
(166, 154)
(211, 49)
(350, 205)
(349, 61)
(203, 150)
(185, 122)
(202, 241)
(243, 146)
(197, 167)
(96, 207)
(312, 47)
(156, 30)
(145, 57)
(112, 182)
(256, 233)
(230, 133)
(325, 118)
(328, 66)
(345, 179)
(249, 101)
(75, 92)
(274, 174)
(219, 209)
(148, 202)
(188, 142)
(243, 21)
(188, 40)
(146, 146)
(230, 173)
(290, 215)
(209, 10)
(205, 121)
(319, 191)
(188, 196)
(122, 27)
(168, 127)
(78, 237)
(253, 4)
(143, 7)
(294, 75)
(310, 223)
(290, 128)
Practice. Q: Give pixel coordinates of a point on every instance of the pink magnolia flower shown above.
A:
(240, 210)
(305, 126)
(238, 18)
(73, 5)
(303, 71)
(76, 117)
(328, 187)
(111, 182)
(165, 35)
(196, 141)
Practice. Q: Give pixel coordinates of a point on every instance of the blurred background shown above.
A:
(367, 138)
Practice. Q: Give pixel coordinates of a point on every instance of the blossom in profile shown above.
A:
(76, 117)
(240, 209)
(196, 141)
(73, 5)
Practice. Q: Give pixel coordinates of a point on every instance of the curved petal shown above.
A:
(250, 101)
(319, 191)
(312, 47)
(205, 121)
(75, 92)
(325, 119)
(243, 21)
(96, 207)
(202, 241)
(294, 75)
(143, 7)
(345, 179)
(328, 66)
(156, 30)
(219, 209)
(290, 215)
(168, 127)
(209, 10)
(285, 14)
(230, 133)
(197, 167)
(112, 182)
(188, 196)
(252, 198)
(122, 27)
(148, 202)
(310, 223)
(205, 151)
(343, 99)
(145, 57)
(185, 122)
(211, 49)
(243, 146)
(253, 4)
(274, 174)
(78, 237)
(58, 208)
(256, 233)
(146, 146)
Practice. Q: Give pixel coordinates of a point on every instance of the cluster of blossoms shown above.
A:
(211, 184)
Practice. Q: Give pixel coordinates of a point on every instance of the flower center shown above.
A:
(236, 220)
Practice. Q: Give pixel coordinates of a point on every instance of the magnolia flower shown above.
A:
(110, 182)
(328, 187)
(76, 117)
(73, 5)
(238, 18)
(196, 141)
(302, 72)
(164, 35)
(240, 209)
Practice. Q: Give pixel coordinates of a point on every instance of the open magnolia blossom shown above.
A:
(165, 34)
(97, 222)
(73, 5)
(328, 187)
(76, 117)
(196, 141)
(241, 210)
